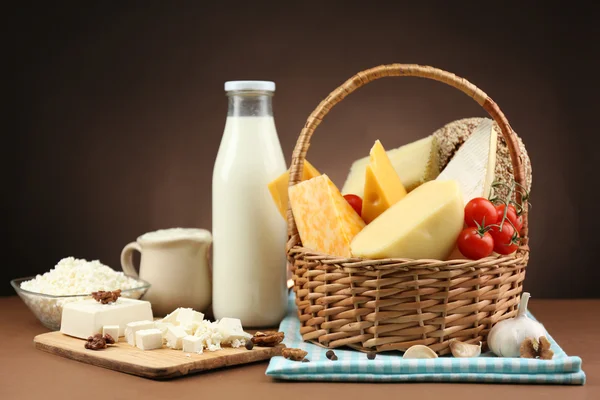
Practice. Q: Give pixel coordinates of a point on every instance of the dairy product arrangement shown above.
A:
(451, 195)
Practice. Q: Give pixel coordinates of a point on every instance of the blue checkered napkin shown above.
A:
(354, 365)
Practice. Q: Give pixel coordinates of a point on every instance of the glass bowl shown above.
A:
(48, 308)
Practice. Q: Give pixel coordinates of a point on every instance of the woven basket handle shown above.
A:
(364, 77)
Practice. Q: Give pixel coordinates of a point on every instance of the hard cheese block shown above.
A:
(415, 163)
(87, 317)
(383, 187)
(425, 224)
(326, 222)
(279, 187)
(473, 164)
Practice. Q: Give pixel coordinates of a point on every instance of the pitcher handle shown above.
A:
(127, 258)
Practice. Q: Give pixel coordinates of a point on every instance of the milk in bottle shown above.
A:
(249, 235)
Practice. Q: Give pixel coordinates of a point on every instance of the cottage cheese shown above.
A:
(77, 276)
(72, 276)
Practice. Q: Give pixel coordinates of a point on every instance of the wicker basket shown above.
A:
(392, 304)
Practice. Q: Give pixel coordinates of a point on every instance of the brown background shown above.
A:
(118, 111)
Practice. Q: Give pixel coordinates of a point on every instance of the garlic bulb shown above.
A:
(506, 337)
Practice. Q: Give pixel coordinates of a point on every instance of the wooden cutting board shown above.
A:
(162, 363)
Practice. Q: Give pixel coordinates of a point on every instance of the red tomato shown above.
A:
(474, 243)
(355, 202)
(480, 211)
(511, 214)
(503, 239)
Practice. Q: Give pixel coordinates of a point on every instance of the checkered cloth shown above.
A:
(388, 367)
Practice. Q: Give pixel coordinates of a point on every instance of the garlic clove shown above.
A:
(464, 350)
(419, 351)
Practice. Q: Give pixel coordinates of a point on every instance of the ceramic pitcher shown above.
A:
(175, 262)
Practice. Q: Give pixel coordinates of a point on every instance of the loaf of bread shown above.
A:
(451, 136)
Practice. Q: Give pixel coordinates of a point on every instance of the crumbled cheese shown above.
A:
(205, 334)
(73, 276)
(209, 335)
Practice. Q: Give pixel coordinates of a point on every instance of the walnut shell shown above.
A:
(451, 136)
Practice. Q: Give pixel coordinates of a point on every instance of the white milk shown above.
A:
(249, 235)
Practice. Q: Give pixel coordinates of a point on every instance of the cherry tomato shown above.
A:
(503, 239)
(355, 202)
(480, 211)
(474, 243)
(511, 214)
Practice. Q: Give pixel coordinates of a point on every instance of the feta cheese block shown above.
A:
(174, 336)
(148, 339)
(231, 330)
(133, 327)
(473, 164)
(193, 344)
(423, 225)
(279, 187)
(383, 187)
(188, 316)
(112, 330)
(326, 222)
(86, 318)
(415, 164)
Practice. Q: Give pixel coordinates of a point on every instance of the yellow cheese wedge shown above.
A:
(415, 163)
(279, 186)
(425, 224)
(326, 222)
(383, 187)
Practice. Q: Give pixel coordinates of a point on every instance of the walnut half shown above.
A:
(268, 339)
(294, 354)
(106, 297)
(99, 342)
(534, 348)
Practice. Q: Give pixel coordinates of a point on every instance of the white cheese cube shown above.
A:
(231, 329)
(86, 318)
(172, 317)
(162, 326)
(192, 344)
(133, 327)
(112, 330)
(148, 339)
(189, 316)
(191, 327)
(175, 335)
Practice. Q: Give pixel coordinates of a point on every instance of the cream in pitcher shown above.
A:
(249, 263)
(175, 262)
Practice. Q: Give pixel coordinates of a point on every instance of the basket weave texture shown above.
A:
(392, 304)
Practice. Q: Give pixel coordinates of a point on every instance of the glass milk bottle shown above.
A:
(249, 235)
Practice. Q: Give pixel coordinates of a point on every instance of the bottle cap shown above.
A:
(250, 85)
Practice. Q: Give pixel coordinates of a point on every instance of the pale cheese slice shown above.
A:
(326, 222)
(415, 163)
(473, 164)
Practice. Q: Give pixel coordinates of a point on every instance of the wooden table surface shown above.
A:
(27, 373)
